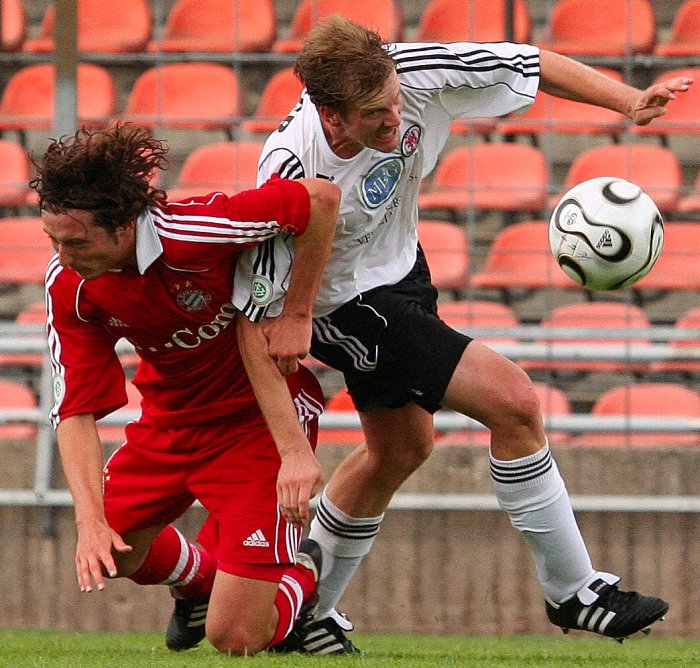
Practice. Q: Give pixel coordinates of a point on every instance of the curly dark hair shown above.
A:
(341, 63)
(105, 171)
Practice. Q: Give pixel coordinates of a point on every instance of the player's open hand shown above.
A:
(289, 340)
(300, 478)
(652, 102)
(93, 555)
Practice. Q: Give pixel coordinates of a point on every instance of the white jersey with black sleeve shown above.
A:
(376, 238)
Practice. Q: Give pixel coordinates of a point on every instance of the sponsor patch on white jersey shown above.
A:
(380, 182)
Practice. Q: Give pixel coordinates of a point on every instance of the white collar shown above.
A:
(148, 244)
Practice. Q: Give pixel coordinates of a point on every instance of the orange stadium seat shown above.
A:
(597, 316)
(465, 315)
(224, 166)
(278, 98)
(520, 258)
(559, 115)
(33, 314)
(553, 402)
(15, 394)
(219, 25)
(14, 174)
(690, 321)
(660, 400)
(190, 95)
(489, 176)
(13, 27)
(446, 248)
(384, 16)
(677, 266)
(27, 102)
(654, 168)
(691, 202)
(341, 401)
(24, 250)
(601, 27)
(681, 117)
(684, 39)
(114, 434)
(472, 21)
(103, 26)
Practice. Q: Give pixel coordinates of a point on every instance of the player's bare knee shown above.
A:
(519, 408)
(235, 641)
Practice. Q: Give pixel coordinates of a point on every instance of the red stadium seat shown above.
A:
(228, 167)
(684, 39)
(520, 258)
(33, 314)
(103, 26)
(691, 321)
(384, 16)
(489, 176)
(654, 168)
(13, 28)
(15, 394)
(446, 248)
(278, 98)
(691, 202)
(466, 315)
(114, 434)
(599, 316)
(28, 99)
(188, 95)
(661, 400)
(14, 175)
(341, 401)
(601, 27)
(25, 250)
(219, 25)
(472, 21)
(677, 266)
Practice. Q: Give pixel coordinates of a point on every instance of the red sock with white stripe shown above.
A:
(172, 560)
(297, 586)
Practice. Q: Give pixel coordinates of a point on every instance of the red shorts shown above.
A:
(230, 466)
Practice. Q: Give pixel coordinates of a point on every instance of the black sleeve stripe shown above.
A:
(462, 68)
(291, 167)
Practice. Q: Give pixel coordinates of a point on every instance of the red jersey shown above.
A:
(175, 309)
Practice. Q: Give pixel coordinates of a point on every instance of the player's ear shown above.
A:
(329, 116)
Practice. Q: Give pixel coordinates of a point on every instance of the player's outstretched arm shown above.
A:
(81, 457)
(300, 476)
(289, 335)
(565, 77)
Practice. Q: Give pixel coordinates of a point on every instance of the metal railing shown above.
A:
(30, 339)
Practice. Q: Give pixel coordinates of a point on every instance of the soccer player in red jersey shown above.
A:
(129, 264)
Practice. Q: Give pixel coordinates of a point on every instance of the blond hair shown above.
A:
(341, 63)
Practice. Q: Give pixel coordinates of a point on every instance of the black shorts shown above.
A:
(390, 344)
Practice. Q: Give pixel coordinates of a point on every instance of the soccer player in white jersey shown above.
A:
(131, 264)
(373, 119)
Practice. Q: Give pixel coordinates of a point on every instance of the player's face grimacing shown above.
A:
(89, 249)
(373, 122)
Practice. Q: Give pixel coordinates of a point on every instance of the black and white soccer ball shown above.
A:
(606, 233)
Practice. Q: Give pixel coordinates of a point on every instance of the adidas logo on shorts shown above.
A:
(256, 539)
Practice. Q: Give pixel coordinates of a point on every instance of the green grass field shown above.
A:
(39, 649)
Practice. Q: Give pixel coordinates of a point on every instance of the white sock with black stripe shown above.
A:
(344, 541)
(532, 492)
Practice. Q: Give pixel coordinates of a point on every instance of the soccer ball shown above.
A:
(606, 233)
